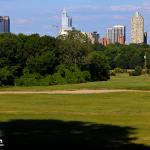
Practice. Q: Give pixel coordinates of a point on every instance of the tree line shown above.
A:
(27, 60)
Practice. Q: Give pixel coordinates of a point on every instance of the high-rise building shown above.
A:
(137, 28)
(117, 34)
(104, 41)
(66, 23)
(110, 35)
(4, 24)
(94, 37)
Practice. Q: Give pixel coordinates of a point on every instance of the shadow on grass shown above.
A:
(67, 135)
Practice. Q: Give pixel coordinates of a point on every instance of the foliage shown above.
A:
(118, 70)
(27, 80)
(44, 60)
(112, 73)
(136, 72)
(72, 75)
(98, 66)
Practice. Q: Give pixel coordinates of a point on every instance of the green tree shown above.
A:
(73, 48)
(98, 66)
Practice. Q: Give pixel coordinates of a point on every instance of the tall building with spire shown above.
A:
(137, 28)
(4, 24)
(66, 23)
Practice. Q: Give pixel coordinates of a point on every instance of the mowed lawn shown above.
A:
(116, 118)
(120, 81)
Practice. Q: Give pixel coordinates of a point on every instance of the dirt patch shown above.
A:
(72, 92)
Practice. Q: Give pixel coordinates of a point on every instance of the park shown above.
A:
(115, 120)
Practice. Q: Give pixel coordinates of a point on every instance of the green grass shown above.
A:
(121, 81)
(110, 112)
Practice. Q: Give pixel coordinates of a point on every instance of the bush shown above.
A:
(86, 75)
(112, 73)
(7, 76)
(56, 78)
(136, 72)
(45, 81)
(28, 80)
(98, 66)
(118, 70)
(148, 71)
(71, 75)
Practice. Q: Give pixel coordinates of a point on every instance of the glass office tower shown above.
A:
(4, 24)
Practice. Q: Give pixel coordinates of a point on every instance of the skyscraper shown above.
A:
(66, 23)
(4, 24)
(137, 28)
(117, 34)
(110, 35)
(94, 37)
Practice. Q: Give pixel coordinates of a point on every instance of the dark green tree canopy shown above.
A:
(44, 60)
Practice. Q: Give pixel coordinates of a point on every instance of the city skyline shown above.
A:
(88, 16)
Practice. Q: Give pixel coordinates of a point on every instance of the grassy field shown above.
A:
(121, 81)
(109, 120)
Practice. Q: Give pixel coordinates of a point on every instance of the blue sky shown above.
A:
(43, 17)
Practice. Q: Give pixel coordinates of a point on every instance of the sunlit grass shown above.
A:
(122, 109)
(120, 81)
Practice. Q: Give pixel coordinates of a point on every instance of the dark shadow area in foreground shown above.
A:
(67, 135)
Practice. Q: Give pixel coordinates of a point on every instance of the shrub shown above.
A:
(86, 75)
(56, 78)
(45, 81)
(72, 75)
(136, 72)
(7, 76)
(28, 80)
(118, 70)
(148, 71)
(98, 66)
(112, 73)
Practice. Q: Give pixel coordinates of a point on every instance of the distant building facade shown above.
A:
(137, 29)
(104, 41)
(4, 24)
(94, 37)
(110, 35)
(117, 34)
(66, 23)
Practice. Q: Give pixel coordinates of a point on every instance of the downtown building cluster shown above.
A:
(115, 34)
